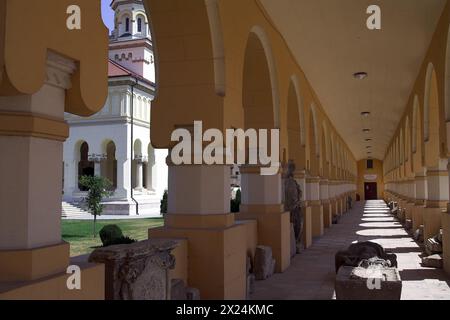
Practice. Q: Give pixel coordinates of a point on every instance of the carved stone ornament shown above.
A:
(138, 271)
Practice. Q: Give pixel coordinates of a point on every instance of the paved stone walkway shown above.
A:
(311, 275)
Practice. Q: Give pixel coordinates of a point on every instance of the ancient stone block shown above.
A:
(178, 290)
(408, 224)
(138, 271)
(368, 284)
(293, 242)
(418, 234)
(192, 294)
(335, 219)
(433, 261)
(250, 284)
(433, 247)
(438, 238)
(264, 263)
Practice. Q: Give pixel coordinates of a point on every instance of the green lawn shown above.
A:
(79, 233)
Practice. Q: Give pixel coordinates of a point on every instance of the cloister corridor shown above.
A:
(311, 275)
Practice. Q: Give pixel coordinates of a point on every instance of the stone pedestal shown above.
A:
(317, 219)
(138, 271)
(432, 222)
(327, 214)
(33, 258)
(367, 284)
(446, 241)
(307, 227)
(417, 216)
(262, 201)
(217, 246)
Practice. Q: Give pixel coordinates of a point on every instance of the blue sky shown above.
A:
(108, 14)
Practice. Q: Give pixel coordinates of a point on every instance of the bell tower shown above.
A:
(130, 42)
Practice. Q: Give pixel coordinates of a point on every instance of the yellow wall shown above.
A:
(377, 170)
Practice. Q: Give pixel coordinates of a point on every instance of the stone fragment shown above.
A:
(433, 247)
(433, 261)
(293, 242)
(335, 219)
(192, 294)
(250, 285)
(264, 263)
(137, 271)
(401, 215)
(178, 290)
(408, 224)
(418, 234)
(438, 238)
(368, 284)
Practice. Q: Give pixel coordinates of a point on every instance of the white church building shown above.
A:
(115, 143)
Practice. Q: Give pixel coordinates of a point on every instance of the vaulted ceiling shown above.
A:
(331, 42)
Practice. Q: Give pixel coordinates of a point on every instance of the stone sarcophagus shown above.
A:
(365, 271)
(138, 271)
(368, 283)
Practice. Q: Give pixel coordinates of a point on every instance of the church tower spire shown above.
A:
(130, 43)
(130, 20)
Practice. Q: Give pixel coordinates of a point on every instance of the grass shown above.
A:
(79, 233)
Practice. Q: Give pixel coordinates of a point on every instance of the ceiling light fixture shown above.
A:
(360, 75)
(365, 114)
(366, 130)
(368, 140)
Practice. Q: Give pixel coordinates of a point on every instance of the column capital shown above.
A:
(97, 158)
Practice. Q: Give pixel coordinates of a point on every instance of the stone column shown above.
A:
(199, 211)
(410, 200)
(326, 204)
(70, 179)
(97, 159)
(300, 177)
(262, 200)
(332, 195)
(151, 175)
(315, 205)
(32, 132)
(436, 201)
(446, 227)
(123, 190)
(140, 172)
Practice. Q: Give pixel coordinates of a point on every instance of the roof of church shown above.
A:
(116, 70)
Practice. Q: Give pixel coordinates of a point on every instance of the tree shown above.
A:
(98, 189)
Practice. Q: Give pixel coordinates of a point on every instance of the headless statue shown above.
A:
(292, 202)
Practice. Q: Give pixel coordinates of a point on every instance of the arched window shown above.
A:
(85, 167)
(127, 25)
(139, 26)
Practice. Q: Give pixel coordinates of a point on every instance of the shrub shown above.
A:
(110, 233)
(164, 201)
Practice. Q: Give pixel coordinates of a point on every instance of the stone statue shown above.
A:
(292, 202)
